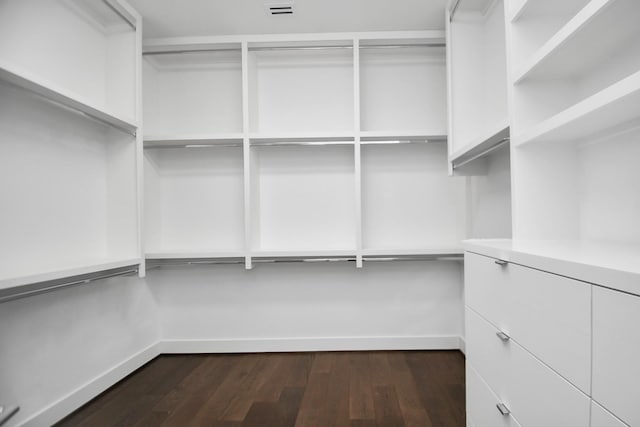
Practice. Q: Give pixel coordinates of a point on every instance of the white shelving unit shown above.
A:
(313, 113)
(479, 119)
(574, 125)
(69, 153)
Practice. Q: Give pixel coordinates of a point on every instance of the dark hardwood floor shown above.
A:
(395, 388)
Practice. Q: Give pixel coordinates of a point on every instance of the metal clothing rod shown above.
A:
(51, 285)
(6, 412)
(285, 143)
(490, 149)
(453, 9)
(416, 258)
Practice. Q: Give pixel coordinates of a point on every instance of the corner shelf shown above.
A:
(611, 107)
(64, 98)
(69, 271)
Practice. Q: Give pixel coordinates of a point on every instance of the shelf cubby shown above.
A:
(402, 88)
(193, 93)
(478, 78)
(82, 49)
(293, 89)
(409, 204)
(537, 22)
(303, 199)
(75, 210)
(194, 201)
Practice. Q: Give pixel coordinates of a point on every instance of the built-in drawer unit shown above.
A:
(616, 353)
(547, 314)
(484, 408)
(520, 381)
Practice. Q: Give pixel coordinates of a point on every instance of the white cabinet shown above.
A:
(482, 409)
(542, 340)
(616, 351)
(521, 381)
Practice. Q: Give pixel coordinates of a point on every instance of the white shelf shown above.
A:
(191, 255)
(153, 141)
(409, 135)
(481, 145)
(302, 137)
(613, 106)
(67, 271)
(608, 264)
(434, 251)
(63, 97)
(572, 46)
(331, 253)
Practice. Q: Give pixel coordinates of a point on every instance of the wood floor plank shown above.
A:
(338, 389)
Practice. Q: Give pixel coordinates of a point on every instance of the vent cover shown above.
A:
(279, 8)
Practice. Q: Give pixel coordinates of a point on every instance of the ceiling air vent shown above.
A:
(279, 8)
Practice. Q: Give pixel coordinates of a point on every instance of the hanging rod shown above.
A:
(309, 143)
(285, 48)
(6, 412)
(453, 10)
(51, 285)
(488, 150)
(443, 257)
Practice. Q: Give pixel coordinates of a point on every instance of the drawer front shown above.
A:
(535, 394)
(487, 287)
(550, 316)
(600, 417)
(481, 404)
(547, 314)
(616, 353)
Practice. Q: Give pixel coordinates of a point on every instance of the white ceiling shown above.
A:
(175, 18)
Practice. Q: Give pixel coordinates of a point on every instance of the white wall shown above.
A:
(61, 347)
(295, 307)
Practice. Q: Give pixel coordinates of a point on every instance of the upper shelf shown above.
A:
(571, 49)
(616, 105)
(62, 97)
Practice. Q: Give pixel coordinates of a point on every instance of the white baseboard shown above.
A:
(72, 401)
(463, 345)
(311, 344)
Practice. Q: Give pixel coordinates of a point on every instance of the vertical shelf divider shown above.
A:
(142, 270)
(357, 150)
(246, 152)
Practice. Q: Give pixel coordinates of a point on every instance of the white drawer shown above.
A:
(547, 314)
(486, 288)
(535, 394)
(600, 417)
(616, 353)
(481, 404)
